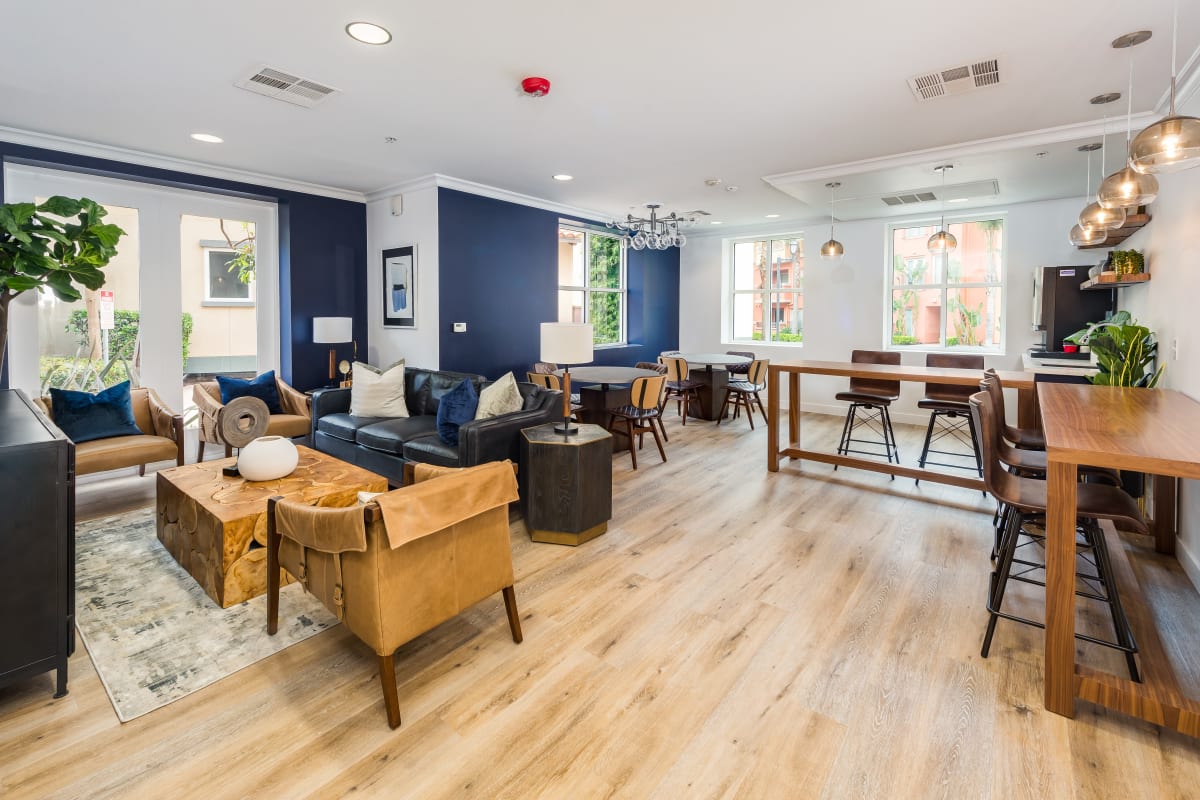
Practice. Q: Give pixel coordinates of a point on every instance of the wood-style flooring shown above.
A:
(735, 634)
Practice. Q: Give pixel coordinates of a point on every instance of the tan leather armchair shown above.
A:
(296, 419)
(405, 562)
(162, 437)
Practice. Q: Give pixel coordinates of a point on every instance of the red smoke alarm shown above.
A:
(535, 86)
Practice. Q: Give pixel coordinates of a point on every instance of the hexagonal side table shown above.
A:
(566, 483)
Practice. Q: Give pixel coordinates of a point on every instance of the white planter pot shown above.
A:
(267, 458)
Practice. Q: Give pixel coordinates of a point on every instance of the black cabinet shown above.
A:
(37, 543)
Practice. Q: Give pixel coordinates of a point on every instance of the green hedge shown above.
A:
(897, 339)
(782, 336)
(123, 336)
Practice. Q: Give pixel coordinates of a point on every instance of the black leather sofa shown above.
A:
(383, 445)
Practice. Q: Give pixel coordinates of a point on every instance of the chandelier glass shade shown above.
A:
(1098, 217)
(1127, 189)
(1082, 236)
(1172, 144)
(833, 250)
(942, 242)
(652, 232)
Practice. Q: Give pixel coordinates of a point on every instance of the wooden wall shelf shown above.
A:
(1126, 280)
(1133, 223)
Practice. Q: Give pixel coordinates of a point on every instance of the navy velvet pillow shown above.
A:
(457, 406)
(84, 417)
(263, 387)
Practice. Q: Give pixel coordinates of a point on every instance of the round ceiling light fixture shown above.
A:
(368, 33)
(535, 86)
(563, 177)
(207, 138)
(1172, 143)
(1095, 215)
(833, 250)
(943, 242)
(1126, 188)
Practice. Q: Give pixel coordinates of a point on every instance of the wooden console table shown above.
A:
(1021, 381)
(1148, 430)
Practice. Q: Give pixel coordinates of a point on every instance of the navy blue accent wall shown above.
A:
(498, 272)
(322, 253)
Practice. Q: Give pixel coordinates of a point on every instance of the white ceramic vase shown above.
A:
(267, 458)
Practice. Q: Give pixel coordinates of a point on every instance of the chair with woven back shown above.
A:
(679, 385)
(740, 369)
(641, 415)
(744, 393)
(543, 368)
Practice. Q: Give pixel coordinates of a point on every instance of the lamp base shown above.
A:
(566, 428)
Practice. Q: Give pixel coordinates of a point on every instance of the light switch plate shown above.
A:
(460, 327)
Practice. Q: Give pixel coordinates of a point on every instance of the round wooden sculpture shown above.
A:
(243, 420)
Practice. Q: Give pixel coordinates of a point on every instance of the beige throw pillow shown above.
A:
(502, 397)
(378, 393)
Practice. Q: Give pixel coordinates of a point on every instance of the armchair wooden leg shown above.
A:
(200, 452)
(141, 470)
(229, 451)
(387, 679)
(514, 619)
(273, 539)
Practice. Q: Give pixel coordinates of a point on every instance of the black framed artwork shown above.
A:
(399, 287)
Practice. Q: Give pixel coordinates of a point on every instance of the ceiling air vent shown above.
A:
(909, 198)
(280, 85)
(956, 80)
(974, 190)
(697, 213)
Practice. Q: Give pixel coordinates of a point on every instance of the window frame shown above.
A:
(215, 302)
(588, 290)
(944, 286)
(731, 293)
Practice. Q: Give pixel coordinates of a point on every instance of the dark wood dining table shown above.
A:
(715, 381)
(1155, 431)
(603, 387)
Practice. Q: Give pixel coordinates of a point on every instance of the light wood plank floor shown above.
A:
(734, 634)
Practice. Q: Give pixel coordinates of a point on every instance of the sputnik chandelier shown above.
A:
(653, 232)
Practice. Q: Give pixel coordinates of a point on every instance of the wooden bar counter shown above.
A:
(1021, 381)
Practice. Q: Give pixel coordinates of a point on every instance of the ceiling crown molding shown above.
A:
(483, 190)
(141, 158)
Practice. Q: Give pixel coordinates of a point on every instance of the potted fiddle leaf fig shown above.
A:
(61, 244)
(1125, 353)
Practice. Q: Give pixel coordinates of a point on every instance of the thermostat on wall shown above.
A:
(460, 327)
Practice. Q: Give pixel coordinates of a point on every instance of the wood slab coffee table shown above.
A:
(216, 527)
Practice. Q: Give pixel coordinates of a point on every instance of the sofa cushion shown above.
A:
(86, 417)
(390, 435)
(456, 408)
(500, 397)
(442, 383)
(344, 426)
(123, 451)
(431, 450)
(263, 387)
(378, 392)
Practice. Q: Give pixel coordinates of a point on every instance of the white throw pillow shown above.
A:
(502, 397)
(378, 393)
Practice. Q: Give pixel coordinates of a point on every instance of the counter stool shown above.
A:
(1023, 438)
(1026, 499)
(873, 396)
(947, 404)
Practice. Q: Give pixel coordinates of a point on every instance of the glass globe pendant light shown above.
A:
(942, 242)
(833, 249)
(1081, 235)
(1095, 215)
(1126, 188)
(1173, 143)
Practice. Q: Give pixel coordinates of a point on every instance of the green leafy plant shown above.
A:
(243, 260)
(1125, 353)
(123, 336)
(60, 244)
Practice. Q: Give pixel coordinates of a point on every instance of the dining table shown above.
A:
(1153, 431)
(603, 387)
(709, 369)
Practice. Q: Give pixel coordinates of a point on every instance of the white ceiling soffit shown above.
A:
(955, 80)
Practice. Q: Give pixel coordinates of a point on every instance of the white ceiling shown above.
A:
(647, 101)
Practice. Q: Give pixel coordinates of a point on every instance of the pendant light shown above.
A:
(1080, 235)
(1095, 215)
(1126, 188)
(833, 249)
(942, 242)
(1173, 143)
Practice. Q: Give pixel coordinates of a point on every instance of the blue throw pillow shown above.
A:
(457, 406)
(84, 417)
(263, 387)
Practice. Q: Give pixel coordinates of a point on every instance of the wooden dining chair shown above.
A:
(744, 393)
(544, 368)
(679, 385)
(545, 380)
(641, 415)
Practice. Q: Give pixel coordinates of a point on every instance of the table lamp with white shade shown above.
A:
(333, 330)
(566, 343)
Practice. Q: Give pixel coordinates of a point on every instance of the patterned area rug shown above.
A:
(152, 632)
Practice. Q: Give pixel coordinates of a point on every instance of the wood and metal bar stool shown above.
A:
(1022, 438)
(947, 404)
(872, 397)
(640, 415)
(1027, 500)
(744, 393)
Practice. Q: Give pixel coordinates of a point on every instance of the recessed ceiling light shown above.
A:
(772, 216)
(714, 222)
(958, 200)
(207, 137)
(368, 33)
(563, 177)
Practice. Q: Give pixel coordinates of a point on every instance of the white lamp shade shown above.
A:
(566, 342)
(333, 330)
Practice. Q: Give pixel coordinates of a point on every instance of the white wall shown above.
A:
(418, 226)
(844, 305)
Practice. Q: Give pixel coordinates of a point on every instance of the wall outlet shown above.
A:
(460, 327)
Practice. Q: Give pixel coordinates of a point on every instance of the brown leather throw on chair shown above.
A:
(403, 563)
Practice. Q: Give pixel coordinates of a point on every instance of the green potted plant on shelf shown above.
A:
(1125, 353)
(60, 244)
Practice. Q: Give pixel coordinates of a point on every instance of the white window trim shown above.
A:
(623, 291)
(728, 249)
(213, 302)
(889, 286)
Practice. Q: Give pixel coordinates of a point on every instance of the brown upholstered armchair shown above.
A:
(405, 562)
(296, 419)
(162, 437)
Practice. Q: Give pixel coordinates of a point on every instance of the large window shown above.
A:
(767, 290)
(591, 283)
(953, 302)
